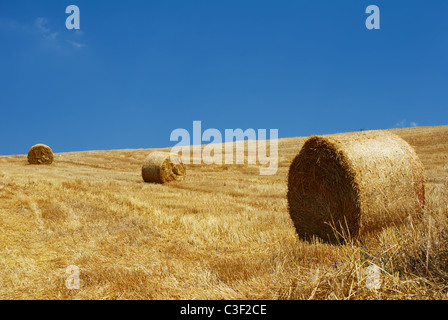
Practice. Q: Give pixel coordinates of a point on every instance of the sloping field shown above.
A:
(223, 233)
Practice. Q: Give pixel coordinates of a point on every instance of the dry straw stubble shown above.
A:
(353, 184)
(40, 154)
(160, 167)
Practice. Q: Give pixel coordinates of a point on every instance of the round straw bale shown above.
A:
(40, 154)
(353, 184)
(159, 167)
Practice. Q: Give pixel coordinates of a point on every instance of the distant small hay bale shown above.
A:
(158, 167)
(349, 185)
(40, 154)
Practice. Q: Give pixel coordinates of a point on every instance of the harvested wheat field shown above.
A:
(224, 232)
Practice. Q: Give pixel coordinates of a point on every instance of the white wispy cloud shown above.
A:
(403, 123)
(41, 27)
(41, 24)
(77, 44)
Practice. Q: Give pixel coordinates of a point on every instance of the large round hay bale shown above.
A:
(160, 167)
(349, 185)
(40, 154)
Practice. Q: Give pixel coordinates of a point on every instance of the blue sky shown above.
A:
(137, 70)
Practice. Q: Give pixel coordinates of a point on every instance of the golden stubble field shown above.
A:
(223, 233)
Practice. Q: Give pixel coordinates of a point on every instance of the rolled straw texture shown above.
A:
(158, 167)
(349, 185)
(40, 154)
